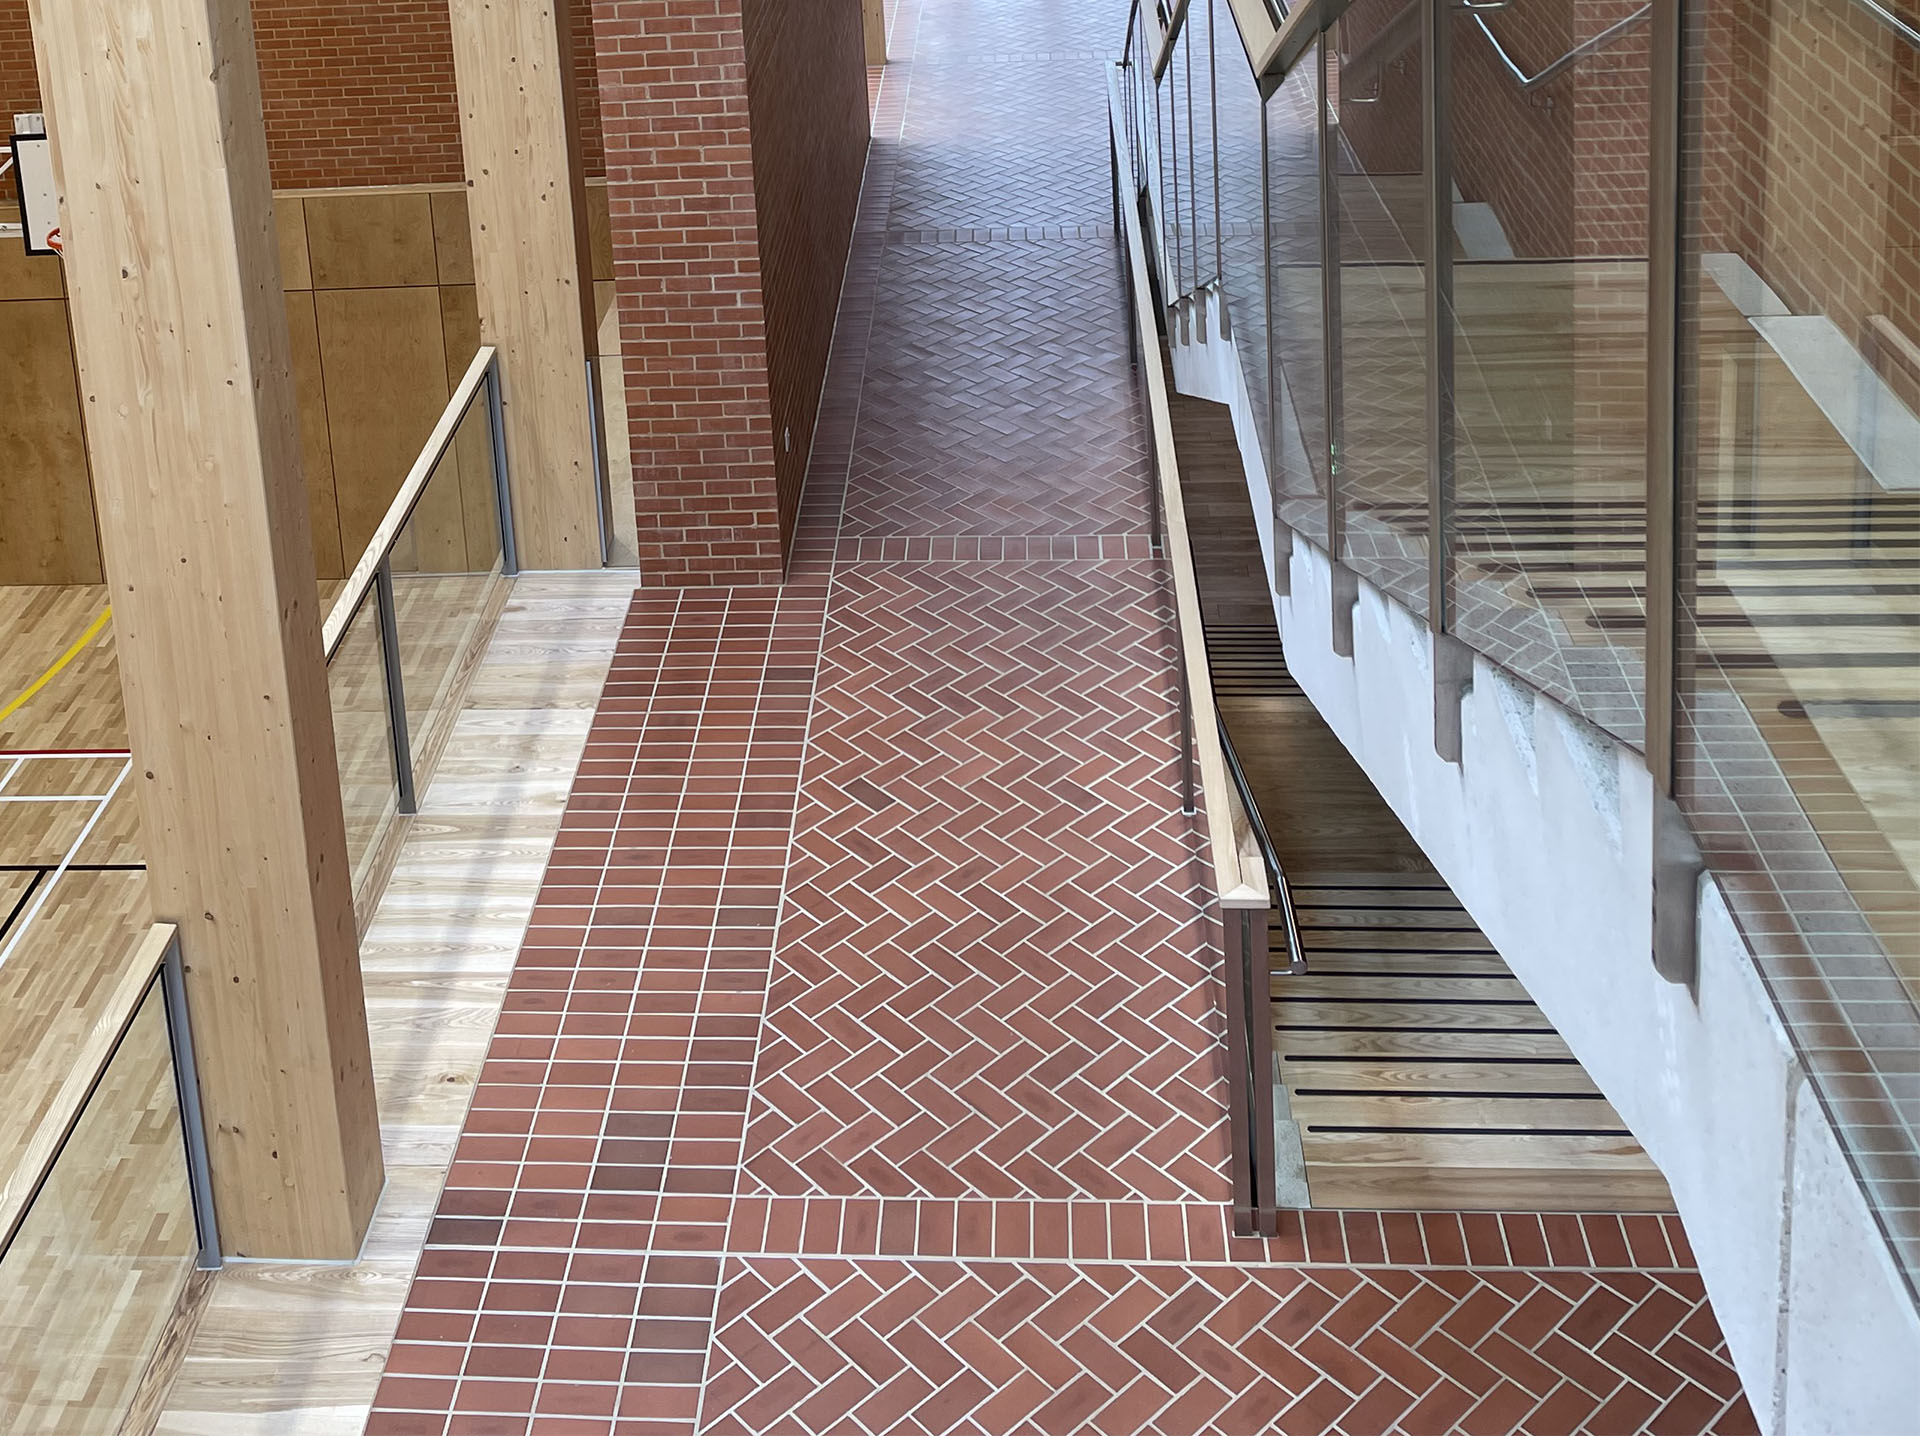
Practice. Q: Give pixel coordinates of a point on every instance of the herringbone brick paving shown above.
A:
(860, 1072)
(961, 433)
(993, 972)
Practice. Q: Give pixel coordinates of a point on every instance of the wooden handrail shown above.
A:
(401, 509)
(1240, 875)
(96, 1051)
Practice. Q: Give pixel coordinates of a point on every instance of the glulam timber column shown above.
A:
(532, 265)
(180, 334)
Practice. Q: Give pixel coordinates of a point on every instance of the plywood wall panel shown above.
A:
(23, 275)
(386, 371)
(316, 446)
(47, 532)
(452, 239)
(365, 241)
(473, 448)
(290, 225)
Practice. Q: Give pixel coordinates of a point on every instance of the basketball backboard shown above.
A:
(33, 178)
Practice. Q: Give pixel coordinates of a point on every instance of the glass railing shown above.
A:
(1674, 486)
(106, 1215)
(405, 628)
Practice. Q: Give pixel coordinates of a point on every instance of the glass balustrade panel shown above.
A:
(1548, 118)
(1798, 758)
(446, 576)
(1377, 160)
(97, 1265)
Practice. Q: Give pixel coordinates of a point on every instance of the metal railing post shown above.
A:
(396, 692)
(1193, 172)
(1437, 83)
(1239, 1097)
(602, 492)
(1213, 102)
(1257, 964)
(502, 492)
(1331, 378)
(193, 1126)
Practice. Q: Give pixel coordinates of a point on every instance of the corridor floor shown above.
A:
(861, 1069)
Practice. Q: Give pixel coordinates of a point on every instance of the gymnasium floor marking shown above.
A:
(46, 876)
(73, 652)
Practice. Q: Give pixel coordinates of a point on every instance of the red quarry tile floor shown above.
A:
(861, 1070)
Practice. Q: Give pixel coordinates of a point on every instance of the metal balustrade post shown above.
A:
(1436, 82)
(1257, 965)
(1330, 363)
(1193, 173)
(602, 492)
(1213, 98)
(502, 492)
(396, 692)
(193, 1125)
(1239, 1095)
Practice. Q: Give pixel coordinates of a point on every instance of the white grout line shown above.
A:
(53, 880)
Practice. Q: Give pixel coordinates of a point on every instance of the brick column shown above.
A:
(673, 99)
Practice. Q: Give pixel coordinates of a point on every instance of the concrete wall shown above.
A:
(1544, 831)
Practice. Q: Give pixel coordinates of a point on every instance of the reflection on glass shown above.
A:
(1378, 149)
(93, 1274)
(1297, 443)
(1198, 61)
(446, 561)
(1549, 146)
(357, 685)
(1176, 188)
(1799, 746)
(1242, 231)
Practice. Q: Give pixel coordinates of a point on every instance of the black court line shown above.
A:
(44, 868)
(20, 906)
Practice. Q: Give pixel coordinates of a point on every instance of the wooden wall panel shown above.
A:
(23, 275)
(386, 371)
(414, 240)
(368, 241)
(316, 443)
(290, 227)
(473, 448)
(452, 240)
(47, 534)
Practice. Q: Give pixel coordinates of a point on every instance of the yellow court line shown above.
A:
(93, 630)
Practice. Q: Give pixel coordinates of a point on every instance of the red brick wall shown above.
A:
(1564, 165)
(19, 84)
(807, 94)
(1811, 137)
(687, 247)
(356, 92)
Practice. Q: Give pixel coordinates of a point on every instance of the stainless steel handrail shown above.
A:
(1276, 876)
(1891, 20)
(1572, 57)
